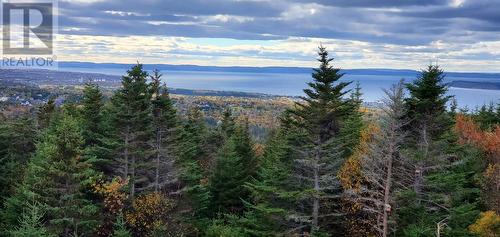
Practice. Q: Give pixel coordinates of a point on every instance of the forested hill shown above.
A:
(167, 67)
(476, 85)
(135, 165)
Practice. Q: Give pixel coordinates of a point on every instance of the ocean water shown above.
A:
(292, 84)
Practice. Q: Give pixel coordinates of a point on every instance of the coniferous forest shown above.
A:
(130, 165)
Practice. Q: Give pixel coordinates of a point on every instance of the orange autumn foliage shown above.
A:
(350, 174)
(489, 142)
(470, 133)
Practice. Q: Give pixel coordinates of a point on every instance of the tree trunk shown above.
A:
(158, 150)
(132, 177)
(387, 191)
(125, 153)
(315, 212)
(419, 169)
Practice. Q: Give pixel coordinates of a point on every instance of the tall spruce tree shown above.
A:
(234, 166)
(351, 128)
(132, 123)
(193, 161)
(92, 114)
(426, 106)
(98, 142)
(165, 128)
(273, 189)
(426, 111)
(312, 184)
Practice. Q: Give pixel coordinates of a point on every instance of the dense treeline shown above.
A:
(131, 166)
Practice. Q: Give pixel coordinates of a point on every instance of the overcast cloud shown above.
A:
(361, 33)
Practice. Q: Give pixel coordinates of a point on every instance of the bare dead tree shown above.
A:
(384, 166)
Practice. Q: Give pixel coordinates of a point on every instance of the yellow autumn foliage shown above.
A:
(114, 196)
(148, 213)
(350, 174)
(488, 225)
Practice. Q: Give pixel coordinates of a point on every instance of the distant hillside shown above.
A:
(167, 67)
(476, 85)
(62, 78)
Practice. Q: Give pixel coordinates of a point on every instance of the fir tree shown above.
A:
(350, 133)
(165, 126)
(92, 114)
(487, 117)
(17, 144)
(31, 223)
(120, 229)
(45, 113)
(426, 111)
(234, 166)
(56, 177)
(132, 122)
(193, 161)
(272, 189)
(227, 124)
(426, 106)
(98, 142)
(318, 153)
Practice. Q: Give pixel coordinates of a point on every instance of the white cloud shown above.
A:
(290, 52)
(122, 13)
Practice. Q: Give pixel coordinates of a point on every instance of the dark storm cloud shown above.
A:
(411, 22)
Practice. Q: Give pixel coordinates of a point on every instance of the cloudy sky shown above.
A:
(462, 35)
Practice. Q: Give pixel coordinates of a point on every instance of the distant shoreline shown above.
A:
(483, 85)
(196, 68)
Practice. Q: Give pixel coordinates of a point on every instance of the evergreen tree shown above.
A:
(120, 230)
(351, 128)
(17, 144)
(165, 127)
(98, 142)
(193, 161)
(452, 200)
(444, 192)
(227, 124)
(272, 189)
(234, 166)
(45, 113)
(426, 111)
(132, 123)
(92, 114)
(426, 106)
(312, 186)
(56, 177)
(487, 117)
(30, 224)
(321, 116)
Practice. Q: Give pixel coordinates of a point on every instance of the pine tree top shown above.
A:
(324, 105)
